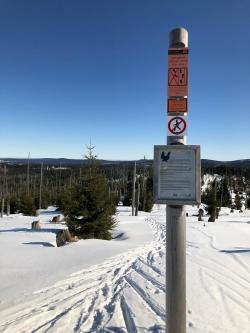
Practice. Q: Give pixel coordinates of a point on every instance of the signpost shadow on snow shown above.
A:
(236, 250)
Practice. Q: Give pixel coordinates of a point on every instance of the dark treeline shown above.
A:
(238, 178)
(28, 187)
(229, 187)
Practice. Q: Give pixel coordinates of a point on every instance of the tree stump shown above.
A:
(212, 217)
(56, 219)
(200, 214)
(35, 225)
(63, 237)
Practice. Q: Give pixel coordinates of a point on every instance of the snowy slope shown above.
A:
(119, 285)
(108, 294)
(218, 275)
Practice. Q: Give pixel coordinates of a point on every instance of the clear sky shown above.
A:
(71, 70)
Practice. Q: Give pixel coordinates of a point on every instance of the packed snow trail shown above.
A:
(126, 293)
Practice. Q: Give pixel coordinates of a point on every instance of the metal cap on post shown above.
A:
(178, 38)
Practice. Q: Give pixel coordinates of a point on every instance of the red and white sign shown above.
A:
(177, 72)
(177, 126)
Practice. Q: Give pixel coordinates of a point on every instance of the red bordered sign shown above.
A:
(177, 72)
(177, 126)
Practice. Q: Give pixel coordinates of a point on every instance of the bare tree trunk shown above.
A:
(3, 191)
(143, 186)
(28, 175)
(138, 199)
(41, 185)
(133, 193)
(8, 207)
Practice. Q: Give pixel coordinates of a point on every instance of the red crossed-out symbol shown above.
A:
(177, 125)
(177, 76)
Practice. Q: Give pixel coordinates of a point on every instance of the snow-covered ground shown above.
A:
(119, 285)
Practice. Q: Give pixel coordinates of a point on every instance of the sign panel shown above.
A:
(177, 105)
(177, 174)
(177, 72)
(177, 126)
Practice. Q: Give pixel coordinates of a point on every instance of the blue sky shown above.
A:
(71, 70)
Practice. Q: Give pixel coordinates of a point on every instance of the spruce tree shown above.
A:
(89, 212)
(223, 193)
(248, 201)
(27, 205)
(211, 201)
(149, 200)
(237, 202)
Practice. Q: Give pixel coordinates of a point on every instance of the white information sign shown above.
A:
(177, 174)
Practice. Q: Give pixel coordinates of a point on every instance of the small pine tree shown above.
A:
(237, 202)
(89, 212)
(248, 202)
(211, 201)
(127, 201)
(27, 205)
(223, 193)
(149, 201)
(14, 205)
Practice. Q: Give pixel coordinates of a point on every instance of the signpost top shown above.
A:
(178, 38)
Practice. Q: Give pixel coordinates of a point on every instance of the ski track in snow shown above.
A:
(88, 300)
(112, 296)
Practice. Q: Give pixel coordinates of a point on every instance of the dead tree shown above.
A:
(133, 191)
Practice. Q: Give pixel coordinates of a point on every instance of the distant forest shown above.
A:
(43, 182)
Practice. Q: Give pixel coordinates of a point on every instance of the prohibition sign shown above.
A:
(177, 125)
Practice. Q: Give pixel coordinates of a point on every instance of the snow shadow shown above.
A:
(54, 231)
(192, 244)
(120, 236)
(51, 212)
(115, 329)
(236, 250)
(45, 244)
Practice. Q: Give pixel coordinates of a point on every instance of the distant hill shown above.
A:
(206, 163)
(232, 164)
(63, 161)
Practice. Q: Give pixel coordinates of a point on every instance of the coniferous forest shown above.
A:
(88, 192)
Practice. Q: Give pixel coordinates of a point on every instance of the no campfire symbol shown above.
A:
(177, 126)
